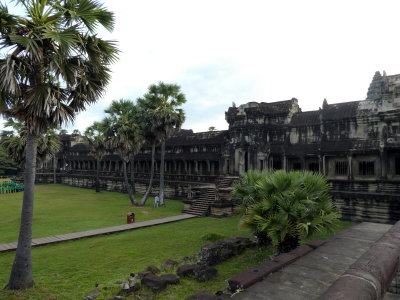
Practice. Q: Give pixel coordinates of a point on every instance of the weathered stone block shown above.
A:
(153, 269)
(186, 270)
(204, 295)
(170, 278)
(253, 275)
(154, 282)
(205, 273)
(218, 252)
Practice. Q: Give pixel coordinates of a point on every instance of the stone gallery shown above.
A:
(355, 144)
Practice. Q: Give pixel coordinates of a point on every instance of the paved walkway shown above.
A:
(95, 232)
(308, 277)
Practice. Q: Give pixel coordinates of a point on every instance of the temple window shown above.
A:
(341, 167)
(313, 167)
(366, 168)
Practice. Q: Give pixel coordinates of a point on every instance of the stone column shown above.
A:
(196, 167)
(208, 167)
(284, 162)
(350, 166)
(384, 163)
(303, 162)
(324, 165)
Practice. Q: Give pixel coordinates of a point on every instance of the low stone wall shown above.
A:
(173, 189)
(372, 274)
(368, 206)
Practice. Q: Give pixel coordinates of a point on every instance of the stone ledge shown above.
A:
(370, 276)
(254, 275)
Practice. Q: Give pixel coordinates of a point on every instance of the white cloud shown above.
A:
(257, 50)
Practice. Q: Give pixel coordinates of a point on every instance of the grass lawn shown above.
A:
(69, 270)
(63, 209)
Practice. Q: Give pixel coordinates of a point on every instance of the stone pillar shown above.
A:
(284, 162)
(320, 164)
(350, 166)
(384, 164)
(303, 162)
(324, 165)
(208, 167)
(196, 167)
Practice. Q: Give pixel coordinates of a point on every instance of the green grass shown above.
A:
(69, 270)
(60, 209)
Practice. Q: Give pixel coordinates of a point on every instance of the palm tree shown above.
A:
(14, 143)
(286, 206)
(161, 105)
(125, 137)
(98, 145)
(54, 66)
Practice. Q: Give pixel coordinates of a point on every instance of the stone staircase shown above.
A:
(202, 205)
(227, 181)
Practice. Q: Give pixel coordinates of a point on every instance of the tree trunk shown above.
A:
(54, 169)
(98, 176)
(21, 272)
(162, 172)
(133, 175)
(127, 185)
(153, 152)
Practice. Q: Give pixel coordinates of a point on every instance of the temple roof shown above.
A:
(340, 110)
(306, 118)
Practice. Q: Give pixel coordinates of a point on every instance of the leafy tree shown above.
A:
(76, 132)
(126, 139)
(286, 206)
(212, 128)
(161, 107)
(98, 145)
(54, 66)
(7, 165)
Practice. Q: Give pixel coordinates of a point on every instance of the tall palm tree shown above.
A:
(125, 137)
(162, 108)
(98, 145)
(54, 66)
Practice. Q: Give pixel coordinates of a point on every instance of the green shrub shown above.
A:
(286, 206)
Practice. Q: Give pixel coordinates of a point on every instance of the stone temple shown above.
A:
(355, 144)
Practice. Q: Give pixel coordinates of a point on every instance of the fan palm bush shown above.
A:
(286, 206)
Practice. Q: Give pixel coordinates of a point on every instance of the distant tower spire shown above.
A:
(324, 104)
(376, 87)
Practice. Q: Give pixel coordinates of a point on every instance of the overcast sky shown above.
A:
(225, 51)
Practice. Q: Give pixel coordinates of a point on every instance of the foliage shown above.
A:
(7, 165)
(123, 127)
(14, 143)
(55, 64)
(160, 109)
(286, 206)
(97, 140)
